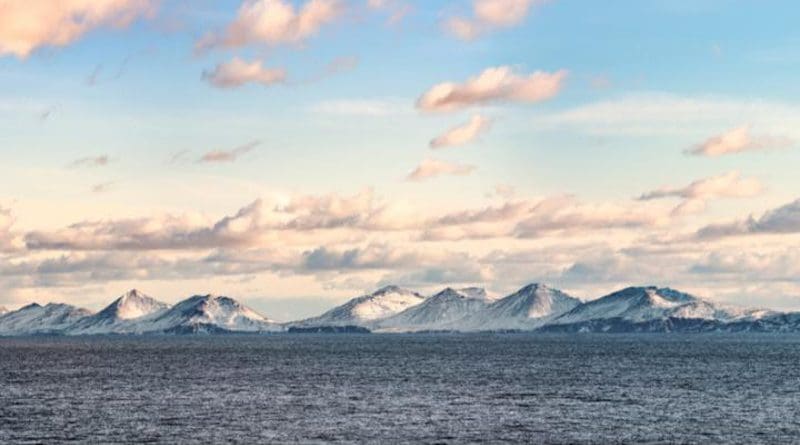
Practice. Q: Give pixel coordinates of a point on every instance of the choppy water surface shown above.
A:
(401, 388)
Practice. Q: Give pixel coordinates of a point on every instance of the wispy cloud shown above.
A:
(430, 168)
(103, 187)
(238, 72)
(496, 84)
(462, 134)
(698, 193)
(229, 155)
(92, 161)
(361, 107)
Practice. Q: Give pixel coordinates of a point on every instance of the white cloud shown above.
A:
(737, 140)
(430, 168)
(26, 25)
(696, 194)
(238, 72)
(489, 15)
(495, 84)
(462, 134)
(274, 22)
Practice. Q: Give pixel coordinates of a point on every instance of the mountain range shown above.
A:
(535, 307)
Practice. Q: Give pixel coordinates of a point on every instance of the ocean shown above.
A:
(402, 388)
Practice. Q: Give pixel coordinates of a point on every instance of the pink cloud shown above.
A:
(274, 22)
(462, 134)
(496, 84)
(430, 168)
(26, 25)
(238, 72)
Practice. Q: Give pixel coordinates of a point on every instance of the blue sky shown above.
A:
(108, 129)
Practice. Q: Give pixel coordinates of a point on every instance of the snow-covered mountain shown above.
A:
(651, 309)
(3, 310)
(127, 314)
(207, 314)
(535, 307)
(36, 319)
(367, 309)
(438, 312)
(528, 308)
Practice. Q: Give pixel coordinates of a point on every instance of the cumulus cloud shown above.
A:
(274, 22)
(737, 140)
(698, 193)
(92, 161)
(462, 134)
(495, 84)
(373, 256)
(229, 155)
(26, 25)
(162, 233)
(782, 220)
(565, 214)
(238, 72)
(430, 168)
(489, 15)
(252, 225)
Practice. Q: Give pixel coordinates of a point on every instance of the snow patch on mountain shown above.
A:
(124, 315)
(208, 314)
(366, 309)
(438, 312)
(640, 304)
(530, 307)
(36, 319)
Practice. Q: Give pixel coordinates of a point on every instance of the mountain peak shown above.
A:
(390, 288)
(133, 304)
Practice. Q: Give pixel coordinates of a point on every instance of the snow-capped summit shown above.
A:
(38, 319)
(367, 309)
(121, 316)
(437, 312)
(639, 304)
(528, 308)
(209, 313)
(3, 310)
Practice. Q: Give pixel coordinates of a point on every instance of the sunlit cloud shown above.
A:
(231, 155)
(27, 25)
(498, 84)
(489, 15)
(462, 134)
(274, 22)
(238, 72)
(430, 168)
(695, 195)
(737, 140)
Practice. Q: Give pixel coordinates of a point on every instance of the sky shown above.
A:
(295, 154)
